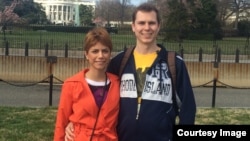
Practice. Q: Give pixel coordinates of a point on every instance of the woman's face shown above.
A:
(98, 56)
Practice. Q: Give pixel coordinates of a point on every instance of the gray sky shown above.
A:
(137, 2)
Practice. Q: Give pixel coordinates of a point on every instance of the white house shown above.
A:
(64, 12)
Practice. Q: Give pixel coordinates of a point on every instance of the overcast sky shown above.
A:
(137, 2)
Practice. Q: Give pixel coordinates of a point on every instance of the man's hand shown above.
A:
(69, 132)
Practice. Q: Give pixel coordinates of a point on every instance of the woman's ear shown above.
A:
(85, 54)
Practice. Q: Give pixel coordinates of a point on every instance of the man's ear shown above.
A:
(159, 27)
(133, 27)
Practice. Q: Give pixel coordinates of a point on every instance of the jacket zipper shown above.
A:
(138, 108)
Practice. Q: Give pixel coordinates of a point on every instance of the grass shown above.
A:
(27, 124)
(224, 116)
(37, 124)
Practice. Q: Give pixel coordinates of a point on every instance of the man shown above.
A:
(147, 108)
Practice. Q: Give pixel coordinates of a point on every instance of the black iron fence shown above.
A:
(30, 41)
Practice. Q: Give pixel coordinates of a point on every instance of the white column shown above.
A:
(57, 12)
(67, 19)
(77, 19)
(70, 13)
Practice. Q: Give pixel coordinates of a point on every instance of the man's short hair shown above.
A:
(146, 7)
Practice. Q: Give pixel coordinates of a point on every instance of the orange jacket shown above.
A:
(77, 104)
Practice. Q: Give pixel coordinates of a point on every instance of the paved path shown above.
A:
(38, 95)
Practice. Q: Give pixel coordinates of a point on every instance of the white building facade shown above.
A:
(64, 12)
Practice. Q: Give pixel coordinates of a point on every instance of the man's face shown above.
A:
(146, 27)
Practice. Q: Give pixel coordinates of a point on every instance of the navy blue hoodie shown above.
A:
(157, 115)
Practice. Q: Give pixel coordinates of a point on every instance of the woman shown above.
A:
(90, 98)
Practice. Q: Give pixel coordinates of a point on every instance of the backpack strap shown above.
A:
(171, 63)
(127, 53)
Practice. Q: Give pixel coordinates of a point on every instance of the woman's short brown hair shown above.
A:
(95, 35)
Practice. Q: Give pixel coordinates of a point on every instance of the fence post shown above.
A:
(214, 88)
(26, 51)
(181, 50)
(7, 48)
(216, 66)
(182, 53)
(51, 60)
(215, 83)
(46, 50)
(247, 46)
(125, 47)
(200, 55)
(66, 50)
(50, 89)
(219, 55)
(237, 59)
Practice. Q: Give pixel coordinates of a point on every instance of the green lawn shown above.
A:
(37, 124)
(58, 40)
